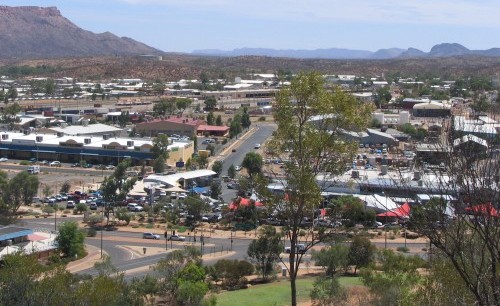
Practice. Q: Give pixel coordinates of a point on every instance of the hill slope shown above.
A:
(36, 32)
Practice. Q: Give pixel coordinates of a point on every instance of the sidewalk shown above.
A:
(93, 256)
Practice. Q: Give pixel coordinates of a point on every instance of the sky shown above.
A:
(187, 25)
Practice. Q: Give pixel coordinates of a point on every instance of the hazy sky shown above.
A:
(186, 25)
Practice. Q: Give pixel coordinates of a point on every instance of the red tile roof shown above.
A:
(212, 128)
(182, 120)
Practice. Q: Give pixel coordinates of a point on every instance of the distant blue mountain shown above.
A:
(440, 50)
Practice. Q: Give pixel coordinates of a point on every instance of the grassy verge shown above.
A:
(277, 293)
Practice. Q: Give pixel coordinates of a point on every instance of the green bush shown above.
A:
(48, 210)
(91, 232)
(81, 207)
(24, 163)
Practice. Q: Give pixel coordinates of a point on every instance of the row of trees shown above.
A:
(170, 106)
(15, 192)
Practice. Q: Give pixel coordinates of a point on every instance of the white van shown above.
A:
(33, 169)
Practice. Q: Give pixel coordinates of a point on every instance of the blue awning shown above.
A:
(44, 151)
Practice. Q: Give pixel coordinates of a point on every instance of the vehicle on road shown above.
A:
(70, 204)
(4, 159)
(55, 164)
(150, 236)
(321, 223)
(93, 206)
(237, 168)
(33, 160)
(299, 249)
(177, 238)
(257, 146)
(75, 165)
(233, 186)
(33, 169)
(44, 162)
(233, 150)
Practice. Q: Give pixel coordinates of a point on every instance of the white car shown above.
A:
(4, 159)
(70, 204)
(237, 168)
(177, 238)
(257, 146)
(55, 164)
(134, 207)
(150, 236)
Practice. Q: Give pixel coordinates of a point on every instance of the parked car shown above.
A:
(93, 206)
(70, 204)
(4, 159)
(55, 164)
(177, 238)
(181, 195)
(75, 165)
(110, 167)
(150, 236)
(257, 146)
(237, 168)
(33, 160)
(134, 207)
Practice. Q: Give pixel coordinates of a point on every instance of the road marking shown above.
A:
(132, 253)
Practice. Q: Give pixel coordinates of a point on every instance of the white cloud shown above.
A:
(448, 12)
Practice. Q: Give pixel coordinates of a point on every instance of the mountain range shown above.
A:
(42, 32)
(440, 50)
(36, 32)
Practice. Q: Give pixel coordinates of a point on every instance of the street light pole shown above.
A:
(385, 226)
(102, 227)
(55, 217)
(231, 240)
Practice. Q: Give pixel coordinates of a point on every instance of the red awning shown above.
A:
(401, 212)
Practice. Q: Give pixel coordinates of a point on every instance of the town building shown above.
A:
(103, 149)
(169, 125)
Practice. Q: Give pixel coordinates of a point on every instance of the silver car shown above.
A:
(150, 236)
(177, 238)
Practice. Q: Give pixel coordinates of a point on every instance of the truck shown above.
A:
(34, 169)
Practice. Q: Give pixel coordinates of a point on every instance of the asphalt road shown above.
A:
(261, 134)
